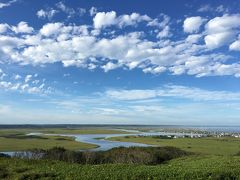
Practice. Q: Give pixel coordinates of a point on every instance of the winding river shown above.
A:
(101, 140)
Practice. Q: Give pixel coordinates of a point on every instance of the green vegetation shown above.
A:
(20, 142)
(131, 155)
(188, 158)
(190, 167)
(208, 145)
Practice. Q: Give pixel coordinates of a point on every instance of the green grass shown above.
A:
(211, 145)
(43, 142)
(192, 167)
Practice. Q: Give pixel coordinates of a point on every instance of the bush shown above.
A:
(3, 173)
(131, 155)
(37, 176)
(4, 155)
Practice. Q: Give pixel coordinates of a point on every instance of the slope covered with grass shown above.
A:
(191, 167)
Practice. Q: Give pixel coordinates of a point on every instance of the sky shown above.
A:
(120, 62)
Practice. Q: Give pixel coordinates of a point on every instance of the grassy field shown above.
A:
(19, 143)
(210, 145)
(191, 167)
(16, 139)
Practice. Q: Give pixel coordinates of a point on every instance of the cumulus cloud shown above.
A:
(192, 24)
(51, 29)
(222, 30)
(22, 27)
(4, 27)
(79, 46)
(105, 19)
(216, 40)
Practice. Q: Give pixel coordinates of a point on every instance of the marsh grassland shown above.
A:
(17, 140)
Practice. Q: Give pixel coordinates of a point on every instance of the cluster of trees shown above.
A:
(132, 155)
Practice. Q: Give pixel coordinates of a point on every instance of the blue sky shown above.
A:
(120, 62)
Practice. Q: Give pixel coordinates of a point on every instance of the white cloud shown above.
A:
(47, 13)
(164, 33)
(193, 38)
(132, 19)
(219, 39)
(154, 70)
(209, 8)
(105, 19)
(5, 85)
(79, 46)
(51, 29)
(205, 8)
(9, 3)
(92, 11)
(235, 46)
(223, 23)
(173, 91)
(60, 7)
(131, 94)
(4, 27)
(2, 74)
(109, 66)
(27, 85)
(102, 19)
(81, 11)
(28, 78)
(17, 76)
(69, 11)
(22, 27)
(222, 9)
(192, 24)
(222, 30)
(162, 21)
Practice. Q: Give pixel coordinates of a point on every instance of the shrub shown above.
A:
(131, 155)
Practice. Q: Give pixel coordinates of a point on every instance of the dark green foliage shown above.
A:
(163, 137)
(4, 155)
(132, 155)
(33, 176)
(238, 154)
(21, 170)
(3, 172)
